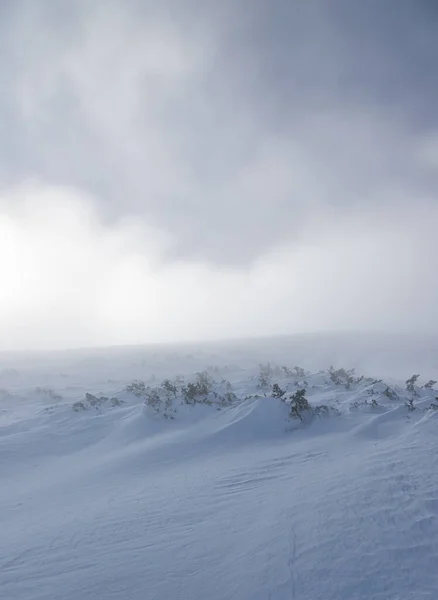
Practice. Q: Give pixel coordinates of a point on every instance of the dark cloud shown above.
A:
(231, 126)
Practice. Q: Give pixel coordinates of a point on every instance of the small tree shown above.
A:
(410, 383)
(203, 383)
(153, 400)
(429, 385)
(410, 404)
(277, 392)
(342, 376)
(299, 372)
(389, 393)
(299, 405)
(189, 392)
(138, 388)
(169, 387)
(265, 376)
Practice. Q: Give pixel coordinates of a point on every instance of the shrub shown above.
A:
(299, 372)
(204, 383)
(410, 404)
(323, 410)
(92, 401)
(277, 392)
(366, 402)
(169, 387)
(153, 400)
(189, 392)
(265, 376)
(198, 391)
(410, 383)
(227, 384)
(429, 385)
(389, 393)
(299, 405)
(342, 377)
(77, 406)
(116, 401)
(138, 388)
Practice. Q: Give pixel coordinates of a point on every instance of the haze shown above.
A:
(200, 170)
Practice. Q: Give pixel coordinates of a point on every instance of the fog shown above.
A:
(196, 171)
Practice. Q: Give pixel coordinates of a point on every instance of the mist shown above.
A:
(179, 173)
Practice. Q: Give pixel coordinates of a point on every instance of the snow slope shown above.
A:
(238, 503)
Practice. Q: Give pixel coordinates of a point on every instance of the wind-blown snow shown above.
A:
(240, 503)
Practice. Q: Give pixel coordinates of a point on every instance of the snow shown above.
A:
(118, 502)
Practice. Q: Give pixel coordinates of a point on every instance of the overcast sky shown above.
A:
(195, 169)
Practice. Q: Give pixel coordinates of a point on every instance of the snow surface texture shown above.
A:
(224, 499)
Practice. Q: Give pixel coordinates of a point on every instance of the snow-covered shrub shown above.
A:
(164, 399)
(265, 376)
(204, 383)
(190, 393)
(410, 404)
(358, 403)
(77, 406)
(92, 401)
(410, 384)
(152, 399)
(277, 392)
(322, 410)
(169, 387)
(390, 393)
(299, 405)
(430, 384)
(299, 372)
(342, 377)
(138, 388)
(198, 391)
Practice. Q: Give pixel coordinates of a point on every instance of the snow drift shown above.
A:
(225, 500)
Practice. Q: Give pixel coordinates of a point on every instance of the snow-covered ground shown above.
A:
(225, 499)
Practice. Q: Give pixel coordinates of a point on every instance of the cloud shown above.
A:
(68, 280)
(276, 164)
(226, 129)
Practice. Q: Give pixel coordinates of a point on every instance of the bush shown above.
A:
(153, 400)
(277, 392)
(204, 383)
(169, 387)
(92, 401)
(342, 377)
(366, 402)
(299, 372)
(299, 405)
(429, 385)
(190, 392)
(325, 411)
(389, 393)
(410, 404)
(410, 384)
(138, 388)
(265, 376)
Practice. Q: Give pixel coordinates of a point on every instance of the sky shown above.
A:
(188, 169)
